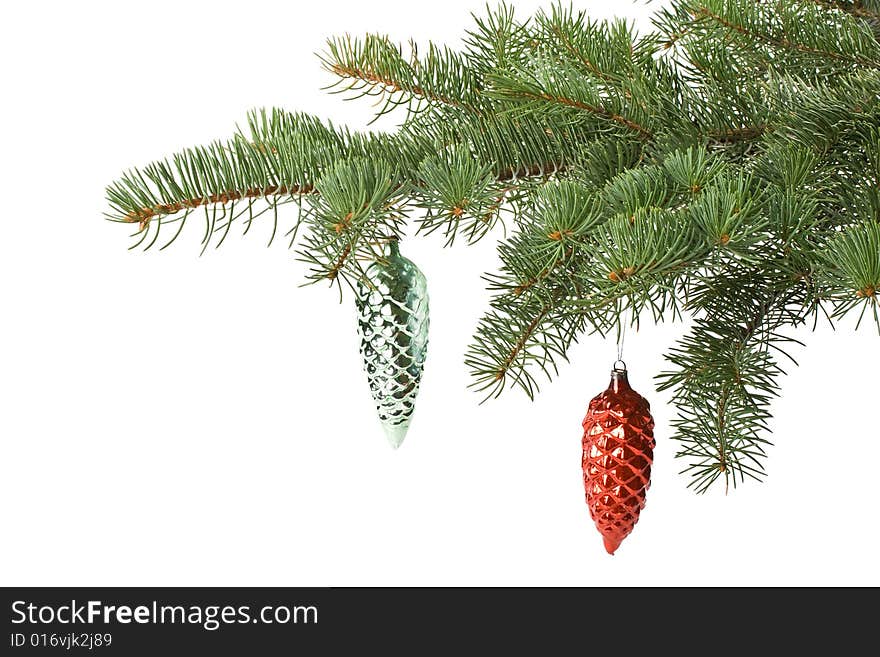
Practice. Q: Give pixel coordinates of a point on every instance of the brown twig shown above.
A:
(143, 215)
(335, 269)
(389, 84)
(734, 135)
(523, 287)
(591, 67)
(721, 423)
(593, 109)
(521, 343)
(674, 38)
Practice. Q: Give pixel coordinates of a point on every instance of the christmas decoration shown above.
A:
(618, 449)
(723, 163)
(392, 301)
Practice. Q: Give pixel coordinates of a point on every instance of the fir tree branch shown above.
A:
(527, 285)
(333, 272)
(856, 9)
(736, 178)
(523, 337)
(283, 155)
(374, 65)
(724, 362)
(578, 55)
(143, 215)
(735, 135)
(388, 84)
(782, 42)
(597, 110)
(852, 277)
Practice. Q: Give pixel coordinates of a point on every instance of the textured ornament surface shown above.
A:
(393, 326)
(618, 449)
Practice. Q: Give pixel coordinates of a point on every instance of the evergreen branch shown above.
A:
(781, 42)
(597, 110)
(527, 285)
(459, 194)
(514, 146)
(143, 215)
(852, 277)
(585, 42)
(374, 65)
(524, 335)
(578, 55)
(735, 135)
(725, 360)
(856, 9)
(280, 160)
(550, 233)
(390, 85)
(358, 207)
(529, 323)
(727, 165)
(497, 41)
(776, 42)
(517, 337)
(220, 173)
(333, 272)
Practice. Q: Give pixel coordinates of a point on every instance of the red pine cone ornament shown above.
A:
(618, 450)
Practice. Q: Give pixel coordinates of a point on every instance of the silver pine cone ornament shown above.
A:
(392, 300)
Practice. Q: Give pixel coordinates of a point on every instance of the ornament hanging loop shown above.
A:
(625, 319)
(619, 366)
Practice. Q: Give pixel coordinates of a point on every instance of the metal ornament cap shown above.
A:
(618, 450)
(392, 301)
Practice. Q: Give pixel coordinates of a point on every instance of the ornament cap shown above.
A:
(393, 247)
(619, 378)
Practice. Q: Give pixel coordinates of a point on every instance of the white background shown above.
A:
(174, 420)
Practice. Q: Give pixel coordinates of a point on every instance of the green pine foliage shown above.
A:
(724, 166)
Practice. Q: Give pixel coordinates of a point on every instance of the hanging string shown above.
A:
(621, 338)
